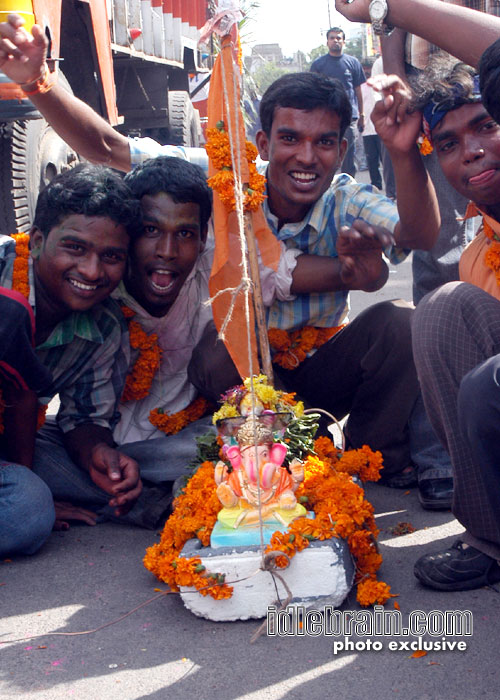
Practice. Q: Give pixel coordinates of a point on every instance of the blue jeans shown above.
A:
(426, 451)
(26, 510)
(161, 461)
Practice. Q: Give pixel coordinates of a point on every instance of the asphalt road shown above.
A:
(87, 577)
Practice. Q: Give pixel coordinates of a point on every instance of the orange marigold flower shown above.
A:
(371, 591)
(251, 151)
(492, 257)
(300, 342)
(141, 375)
(174, 423)
(218, 148)
(20, 272)
(425, 146)
(340, 508)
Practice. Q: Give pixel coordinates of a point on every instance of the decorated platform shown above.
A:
(266, 471)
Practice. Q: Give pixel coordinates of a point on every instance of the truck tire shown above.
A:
(184, 125)
(31, 154)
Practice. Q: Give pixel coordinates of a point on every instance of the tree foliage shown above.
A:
(354, 47)
(266, 74)
(314, 54)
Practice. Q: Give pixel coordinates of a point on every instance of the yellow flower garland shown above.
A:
(340, 507)
(272, 399)
(20, 283)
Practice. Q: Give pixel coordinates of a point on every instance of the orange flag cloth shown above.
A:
(224, 106)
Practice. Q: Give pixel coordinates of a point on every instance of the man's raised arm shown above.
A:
(419, 218)
(460, 31)
(22, 59)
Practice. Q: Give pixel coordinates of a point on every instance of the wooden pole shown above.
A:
(260, 314)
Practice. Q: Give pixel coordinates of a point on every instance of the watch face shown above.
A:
(378, 10)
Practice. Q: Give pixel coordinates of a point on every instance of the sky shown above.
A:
(293, 24)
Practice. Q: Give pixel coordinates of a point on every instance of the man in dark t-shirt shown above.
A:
(347, 69)
(26, 506)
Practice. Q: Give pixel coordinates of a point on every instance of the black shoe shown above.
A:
(402, 480)
(435, 494)
(459, 568)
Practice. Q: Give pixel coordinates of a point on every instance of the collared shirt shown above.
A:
(344, 201)
(87, 354)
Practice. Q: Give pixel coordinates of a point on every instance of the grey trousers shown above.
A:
(456, 343)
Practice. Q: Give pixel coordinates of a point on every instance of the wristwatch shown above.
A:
(378, 10)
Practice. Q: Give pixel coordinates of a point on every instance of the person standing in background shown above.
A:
(347, 69)
(371, 140)
(387, 169)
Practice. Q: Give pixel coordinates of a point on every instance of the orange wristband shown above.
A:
(41, 85)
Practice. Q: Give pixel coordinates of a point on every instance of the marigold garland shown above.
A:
(341, 510)
(340, 507)
(292, 347)
(172, 424)
(21, 284)
(140, 377)
(492, 255)
(194, 515)
(219, 151)
(20, 272)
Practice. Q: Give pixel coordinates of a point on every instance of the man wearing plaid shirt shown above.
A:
(83, 223)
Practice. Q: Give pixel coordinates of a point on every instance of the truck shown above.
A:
(130, 60)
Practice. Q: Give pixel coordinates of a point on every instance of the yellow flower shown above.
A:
(225, 411)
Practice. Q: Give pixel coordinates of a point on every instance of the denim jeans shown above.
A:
(26, 510)
(426, 451)
(161, 461)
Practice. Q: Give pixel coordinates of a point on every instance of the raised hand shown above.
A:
(395, 124)
(22, 55)
(354, 10)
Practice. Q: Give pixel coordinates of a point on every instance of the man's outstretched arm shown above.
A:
(22, 59)
(359, 264)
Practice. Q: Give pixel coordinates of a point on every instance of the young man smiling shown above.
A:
(164, 285)
(334, 230)
(83, 224)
